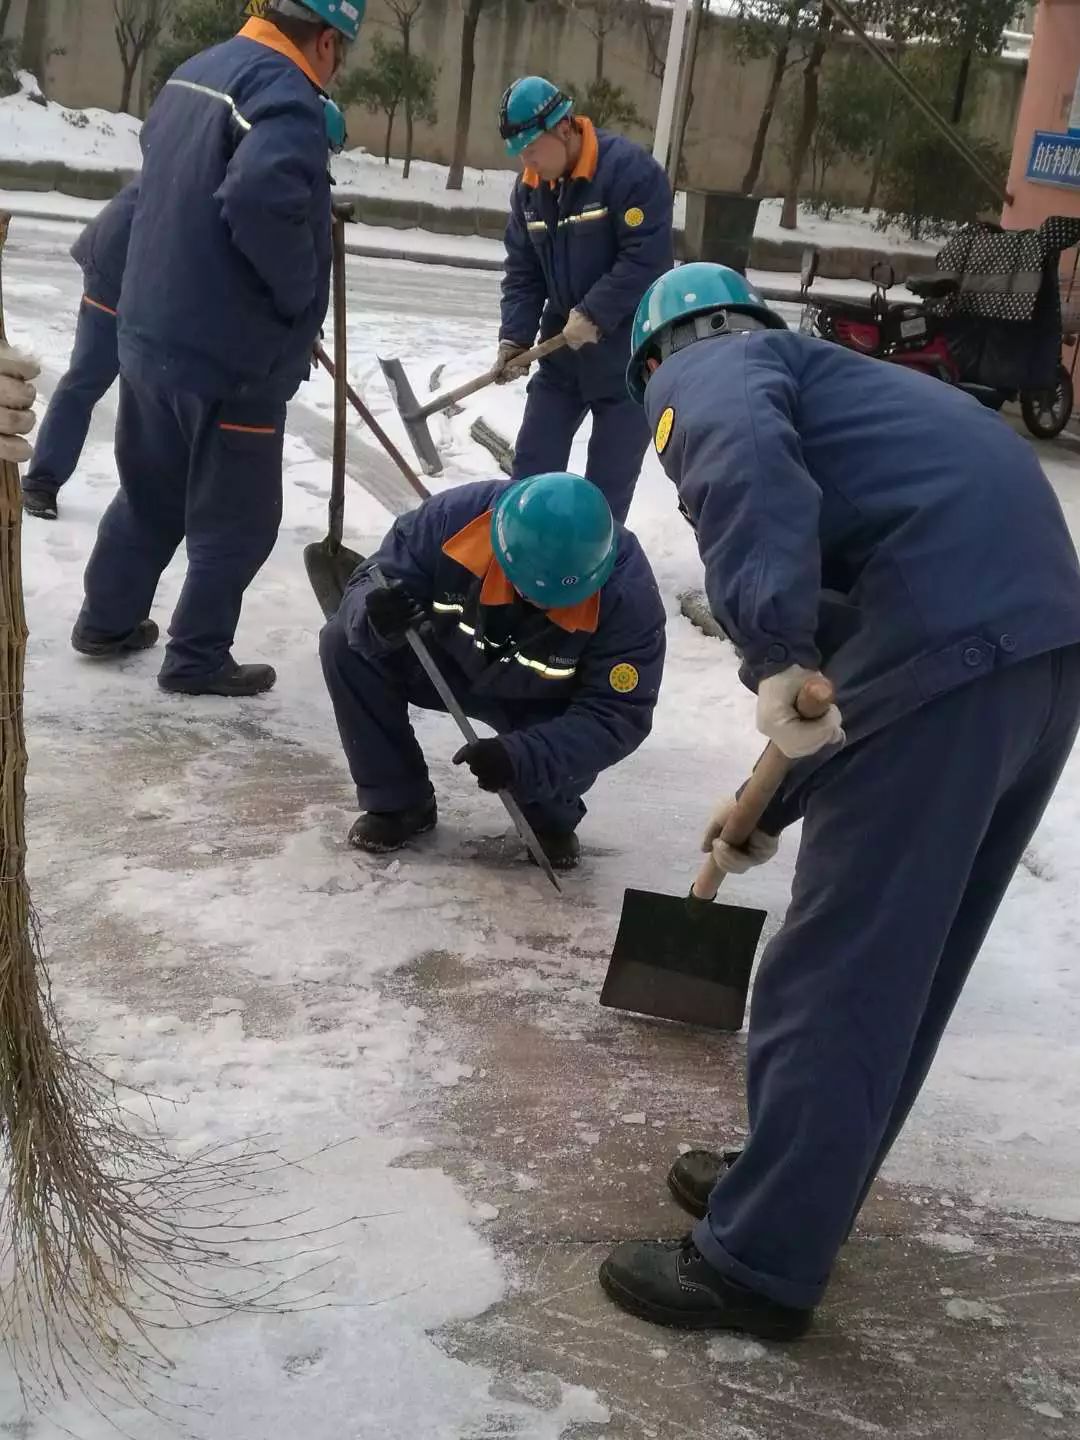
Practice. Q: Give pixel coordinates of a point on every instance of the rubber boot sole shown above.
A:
(759, 1326)
(143, 637)
(375, 847)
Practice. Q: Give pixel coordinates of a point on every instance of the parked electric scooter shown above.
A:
(994, 360)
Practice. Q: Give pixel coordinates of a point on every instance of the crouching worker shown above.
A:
(545, 618)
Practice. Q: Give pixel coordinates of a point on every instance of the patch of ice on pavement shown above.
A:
(951, 1243)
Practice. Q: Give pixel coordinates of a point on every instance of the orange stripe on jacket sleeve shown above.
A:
(98, 305)
(249, 429)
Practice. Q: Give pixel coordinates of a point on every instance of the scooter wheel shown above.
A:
(1047, 412)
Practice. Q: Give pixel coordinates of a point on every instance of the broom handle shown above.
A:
(373, 425)
(813, 701)
(451, 397)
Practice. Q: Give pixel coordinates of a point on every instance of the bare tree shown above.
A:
(599, 18)
(768, 29)
(470, 19)
(789, 214)
(35, 39)
(5, 11)
(137, 25)
(405, 12)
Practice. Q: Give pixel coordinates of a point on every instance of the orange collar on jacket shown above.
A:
(263, 33)
(472, 548)
(585, 168)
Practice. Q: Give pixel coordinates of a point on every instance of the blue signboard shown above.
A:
(1055, 160)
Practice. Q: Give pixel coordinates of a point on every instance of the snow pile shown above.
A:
(34, 129)
(358, 172)
(848, 229)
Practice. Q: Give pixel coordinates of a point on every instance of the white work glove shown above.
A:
(728, 859)
(778, 718)
(505, 369)
(579, 330)
(17, 397)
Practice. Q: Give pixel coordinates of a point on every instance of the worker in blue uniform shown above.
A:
(100, 252)
(855, 518)
(546, 620)
(589, 231)
(225, 290)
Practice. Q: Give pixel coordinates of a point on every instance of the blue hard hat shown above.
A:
(689, 290)
(555, 538)
(343, 15)
(530, 106)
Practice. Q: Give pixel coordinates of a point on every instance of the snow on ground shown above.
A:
(100, 139)
(213, 938)
(847, 228)
(86, 139)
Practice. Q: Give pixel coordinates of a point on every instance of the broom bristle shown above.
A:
(106, 1236)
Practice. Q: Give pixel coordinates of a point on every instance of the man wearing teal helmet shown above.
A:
(225, 287)
(544, 615)
(589, 230)
(879, 525)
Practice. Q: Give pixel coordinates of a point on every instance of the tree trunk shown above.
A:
(389, 134)
(35, 38)
(128, 84)
(883, 145)
(789, 214)
(598, 69)
(5, 11)
(963, 77)
(470, 20)
(768, 110)
(406, 61)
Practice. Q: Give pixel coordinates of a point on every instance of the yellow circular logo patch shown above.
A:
(634, 217)
(663, 430)
(624, 678)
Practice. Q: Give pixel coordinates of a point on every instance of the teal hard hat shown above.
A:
(530, 106)
(343, 15)
(688, 290)
(555, 538)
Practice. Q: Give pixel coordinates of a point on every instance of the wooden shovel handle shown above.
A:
(527, 357)
(812, 702)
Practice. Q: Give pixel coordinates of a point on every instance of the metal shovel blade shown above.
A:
(408, 407)
(329, 570)
(683, 959)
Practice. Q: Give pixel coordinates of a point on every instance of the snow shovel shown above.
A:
(330, 564)
(688, 959)
(414, 416)
(464, 724)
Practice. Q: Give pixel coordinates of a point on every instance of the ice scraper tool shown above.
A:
(414, 416)
(328, 562)
(464, 724)
(690, 959)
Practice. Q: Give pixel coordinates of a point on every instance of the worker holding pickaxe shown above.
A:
(879, 525)
(589, 231)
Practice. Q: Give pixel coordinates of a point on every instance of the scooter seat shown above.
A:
(934, 287)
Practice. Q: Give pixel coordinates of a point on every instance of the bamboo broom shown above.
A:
(104, 1235)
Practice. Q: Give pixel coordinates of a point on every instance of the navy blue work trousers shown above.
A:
(207, 472)
(620, 437)
(371, 698)
(91, 371)
(909, 842)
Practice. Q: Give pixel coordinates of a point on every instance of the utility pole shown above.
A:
(686, 90)
(672, 67)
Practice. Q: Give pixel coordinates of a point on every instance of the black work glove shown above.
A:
(489, 762)
(392, 611)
